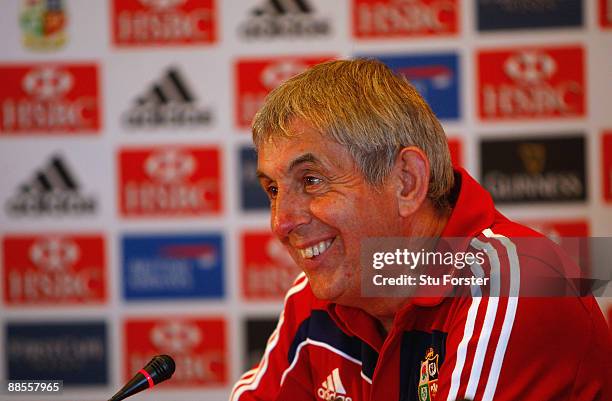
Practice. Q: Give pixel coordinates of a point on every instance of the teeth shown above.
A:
(316, 249)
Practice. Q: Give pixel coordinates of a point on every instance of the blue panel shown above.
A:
(435, 76)
(252, 195)
(172, 266)
(76, 353)
(503, 14)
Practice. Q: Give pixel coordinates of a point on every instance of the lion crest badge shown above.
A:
(428, 376)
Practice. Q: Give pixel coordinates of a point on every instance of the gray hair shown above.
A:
(369, 109)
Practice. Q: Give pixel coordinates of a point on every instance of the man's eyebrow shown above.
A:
(305, 158)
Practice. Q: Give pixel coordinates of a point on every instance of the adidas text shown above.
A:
(289, 25)
(51, 203)
(171, 114)
(329, 395)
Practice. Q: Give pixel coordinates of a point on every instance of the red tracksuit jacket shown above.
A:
(475, 348)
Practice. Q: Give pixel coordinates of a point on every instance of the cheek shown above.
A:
(329, 210)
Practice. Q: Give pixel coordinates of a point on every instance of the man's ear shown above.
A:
(412, 172)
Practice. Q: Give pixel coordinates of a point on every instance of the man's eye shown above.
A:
(309, 180)
(272, 191)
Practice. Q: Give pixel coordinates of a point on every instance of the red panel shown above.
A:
(380, 19)
(163, 22)
(169, 181)
(54, 269)
(529, 83)
(49, 99)
(197, 345)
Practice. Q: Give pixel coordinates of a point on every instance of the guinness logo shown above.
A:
(533, 156)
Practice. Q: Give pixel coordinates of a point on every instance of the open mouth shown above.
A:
(316, 250)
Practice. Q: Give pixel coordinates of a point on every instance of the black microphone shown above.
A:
(160, 368)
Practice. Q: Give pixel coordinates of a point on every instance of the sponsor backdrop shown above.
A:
(131, 220)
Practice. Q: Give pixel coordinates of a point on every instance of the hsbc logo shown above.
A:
(172, 182)
(530, 67)
(404, 18)
(198, 346)
(257, 77)
(176, 337)
(54, 270)
(49, 98)
(267, 270)
(531, 83)
(275, 74)
(163, 22)
(54, 253)
(47, 83)
(162, 4)
(170, 165)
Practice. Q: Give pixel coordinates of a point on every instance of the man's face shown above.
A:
(321, 209)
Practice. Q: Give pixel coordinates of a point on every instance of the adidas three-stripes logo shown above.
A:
(55, 176)
(284, 18)
(168, 102)
(283, 7)
(52, 190)
(171, 88)
(332, 388)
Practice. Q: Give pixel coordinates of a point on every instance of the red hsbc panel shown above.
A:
(456, 151)
(610, 319)
(605, 13)
(531, 83)
(569, 234)
(197, 345)
(49, 99)
(54, 269)
(163, 22)
(556, 229)
(267, 269)
(379, 19)
(606, 149)
(169, 181)
(256, 78)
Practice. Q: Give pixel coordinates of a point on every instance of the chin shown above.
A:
(324, 292)
(331, 294)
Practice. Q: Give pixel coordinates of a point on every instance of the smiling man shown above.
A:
(349, 151)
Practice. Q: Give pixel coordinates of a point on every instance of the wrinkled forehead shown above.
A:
(289, 127)
(296, 134)
(277, 155)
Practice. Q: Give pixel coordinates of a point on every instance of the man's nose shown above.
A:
(288, 212)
